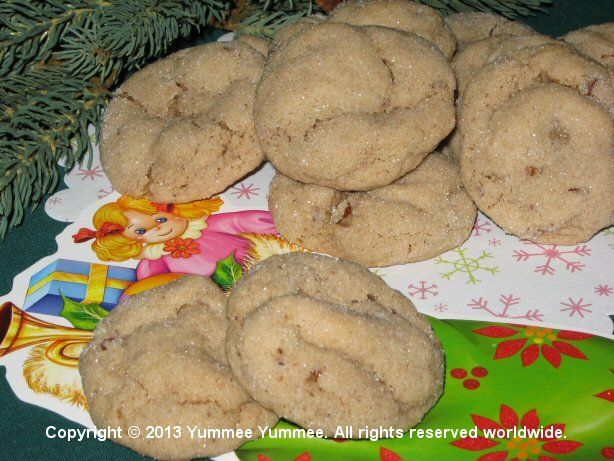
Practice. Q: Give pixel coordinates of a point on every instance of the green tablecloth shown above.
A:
(22, 426)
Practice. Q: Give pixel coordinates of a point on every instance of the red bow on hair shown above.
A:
(107, 228)
(165, 207)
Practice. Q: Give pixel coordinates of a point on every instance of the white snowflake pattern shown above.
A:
(481, 226)
(552, 254)
(576, 307)
(440, 307)
(494, 242)
(54, 201)
(90, 173)
(507, 302)
(422, 290)
(604, 290)
(246, 191)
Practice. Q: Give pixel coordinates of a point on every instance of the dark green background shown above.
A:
(22, 426)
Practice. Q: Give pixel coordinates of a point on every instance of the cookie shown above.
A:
(471, 27)
(326, 343)
(181, 129)
(537, 147)
(418, 19)
(320, 124)
(158, 359)
(473, 57)
(260, 44)
(289, 30)
(596, 42)
(419, 216)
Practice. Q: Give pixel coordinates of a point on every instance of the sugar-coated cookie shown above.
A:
(289, 30)
(417, 217)
(537, 144)
(158, 359)
(473, 57)
(350, 107)
(474, 26)
(596, 42)
(326, 343)
(409, 16)
(260, 44)
(181, 129)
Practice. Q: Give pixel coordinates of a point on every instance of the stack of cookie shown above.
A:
(321, 342)
(355, 111)
(347, 108)
(350, 127)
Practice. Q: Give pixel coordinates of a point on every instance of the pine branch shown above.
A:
(58, 63)
(266, 17)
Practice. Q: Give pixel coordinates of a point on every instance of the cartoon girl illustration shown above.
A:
(181, 238)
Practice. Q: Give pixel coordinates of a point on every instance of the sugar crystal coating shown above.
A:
(417, 217)
(537, 144)
(596, 42)
(181, 129)
(356, 115)
(472, 58)
(418, 19)
(159, 359)
(474, 26)
(326, 343)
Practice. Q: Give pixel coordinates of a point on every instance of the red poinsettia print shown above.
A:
(303, 457)
(388, 455)
(516, 448)
(181, 248)
(533, 342)
(608, 452)
(608, 394)
(469, 383)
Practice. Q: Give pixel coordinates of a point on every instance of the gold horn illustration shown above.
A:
(19, 329)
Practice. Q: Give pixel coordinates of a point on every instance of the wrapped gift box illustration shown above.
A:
(80, 281)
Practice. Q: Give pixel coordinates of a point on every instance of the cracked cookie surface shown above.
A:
(418, 19)
(260, 44)
(181, 129)
(474, 26)
(326, 343)
(356, 115)
(596, 42)
(470, 59)
(159, 359)
(537, 147)
(419, 216)
(473, 57)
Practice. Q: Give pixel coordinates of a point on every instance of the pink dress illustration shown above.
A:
(222, 236)
(183, 238)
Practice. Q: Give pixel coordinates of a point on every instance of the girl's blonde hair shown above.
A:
(117, 247)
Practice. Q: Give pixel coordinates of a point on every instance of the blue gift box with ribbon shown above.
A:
(80, 281)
